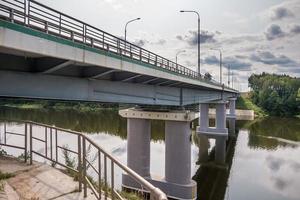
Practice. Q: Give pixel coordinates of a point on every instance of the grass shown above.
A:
(4, 176)
(244, 102)
(55, 105)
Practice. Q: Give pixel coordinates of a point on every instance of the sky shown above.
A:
(254, 36)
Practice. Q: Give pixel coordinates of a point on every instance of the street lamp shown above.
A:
(192, 11)
(220, 63)
(128, 23)
(228, 68)
(182, 51)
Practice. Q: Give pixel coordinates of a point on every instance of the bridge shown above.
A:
(46, 54)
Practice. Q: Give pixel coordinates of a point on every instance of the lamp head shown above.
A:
(182, 11)
(138, 18)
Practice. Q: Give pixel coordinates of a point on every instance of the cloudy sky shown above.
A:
(254, 35)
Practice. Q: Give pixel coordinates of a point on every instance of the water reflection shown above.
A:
(105, 121)
(272, 133)
(212, 178)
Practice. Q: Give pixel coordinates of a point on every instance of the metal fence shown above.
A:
(43, 18)
(34, 134)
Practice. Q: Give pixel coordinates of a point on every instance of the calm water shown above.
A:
(263, 156)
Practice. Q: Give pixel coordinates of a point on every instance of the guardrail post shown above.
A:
(30, 139)
(60, 24)
(92, 42)
(72, 35)
(130, 51)
(25, 143)
(11, 15)
(140, 54)
(84, 167)
(46, 27)
(79, 164)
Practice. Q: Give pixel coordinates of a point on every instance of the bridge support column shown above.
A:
(138, 149)
(219, 132)
(232, 108)
(177, 182)
(204, 117)
(231, 127)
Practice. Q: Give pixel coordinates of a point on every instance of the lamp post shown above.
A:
(220, 63)
(192, 11)
(228, 67)
(128, 23)
(182, 51)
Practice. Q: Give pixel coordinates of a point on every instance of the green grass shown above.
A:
(56, 105)
(4, 176)
(245, 103)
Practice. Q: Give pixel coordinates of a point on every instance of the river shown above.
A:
(263, 156)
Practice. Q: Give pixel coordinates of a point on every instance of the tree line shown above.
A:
(279, 95)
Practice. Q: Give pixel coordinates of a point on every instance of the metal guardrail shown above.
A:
(52, 146)
(40, 17)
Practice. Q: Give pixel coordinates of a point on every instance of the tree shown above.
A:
(277, 94)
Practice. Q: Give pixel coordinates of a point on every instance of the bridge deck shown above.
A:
(43, 43)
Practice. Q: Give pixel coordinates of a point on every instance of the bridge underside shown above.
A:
(33, 76)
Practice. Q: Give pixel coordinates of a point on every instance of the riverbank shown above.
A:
(244, 103)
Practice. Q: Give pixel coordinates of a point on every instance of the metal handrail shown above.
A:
(51, 137)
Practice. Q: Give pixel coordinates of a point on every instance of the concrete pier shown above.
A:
(177, 182)
(232, 113)
(177, 134)
(138, 145)
(219, 132)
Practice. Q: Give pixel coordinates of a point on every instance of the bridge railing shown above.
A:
(88, 158)
(43, 18)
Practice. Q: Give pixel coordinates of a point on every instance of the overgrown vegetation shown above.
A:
(278, 95)
(244, 102)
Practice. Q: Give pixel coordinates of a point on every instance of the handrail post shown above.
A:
(99, 174)
(25, 143)
(30, 139)
(4, 132)
(105, 176)
(79, 164)
(84, 167)
(112, 180)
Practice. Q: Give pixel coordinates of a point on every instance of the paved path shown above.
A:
(37, 182)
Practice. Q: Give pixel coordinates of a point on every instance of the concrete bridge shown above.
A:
(46, 54)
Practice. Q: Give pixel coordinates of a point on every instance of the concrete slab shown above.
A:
(38, 181)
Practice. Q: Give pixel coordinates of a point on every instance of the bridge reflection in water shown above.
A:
(212, 178)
